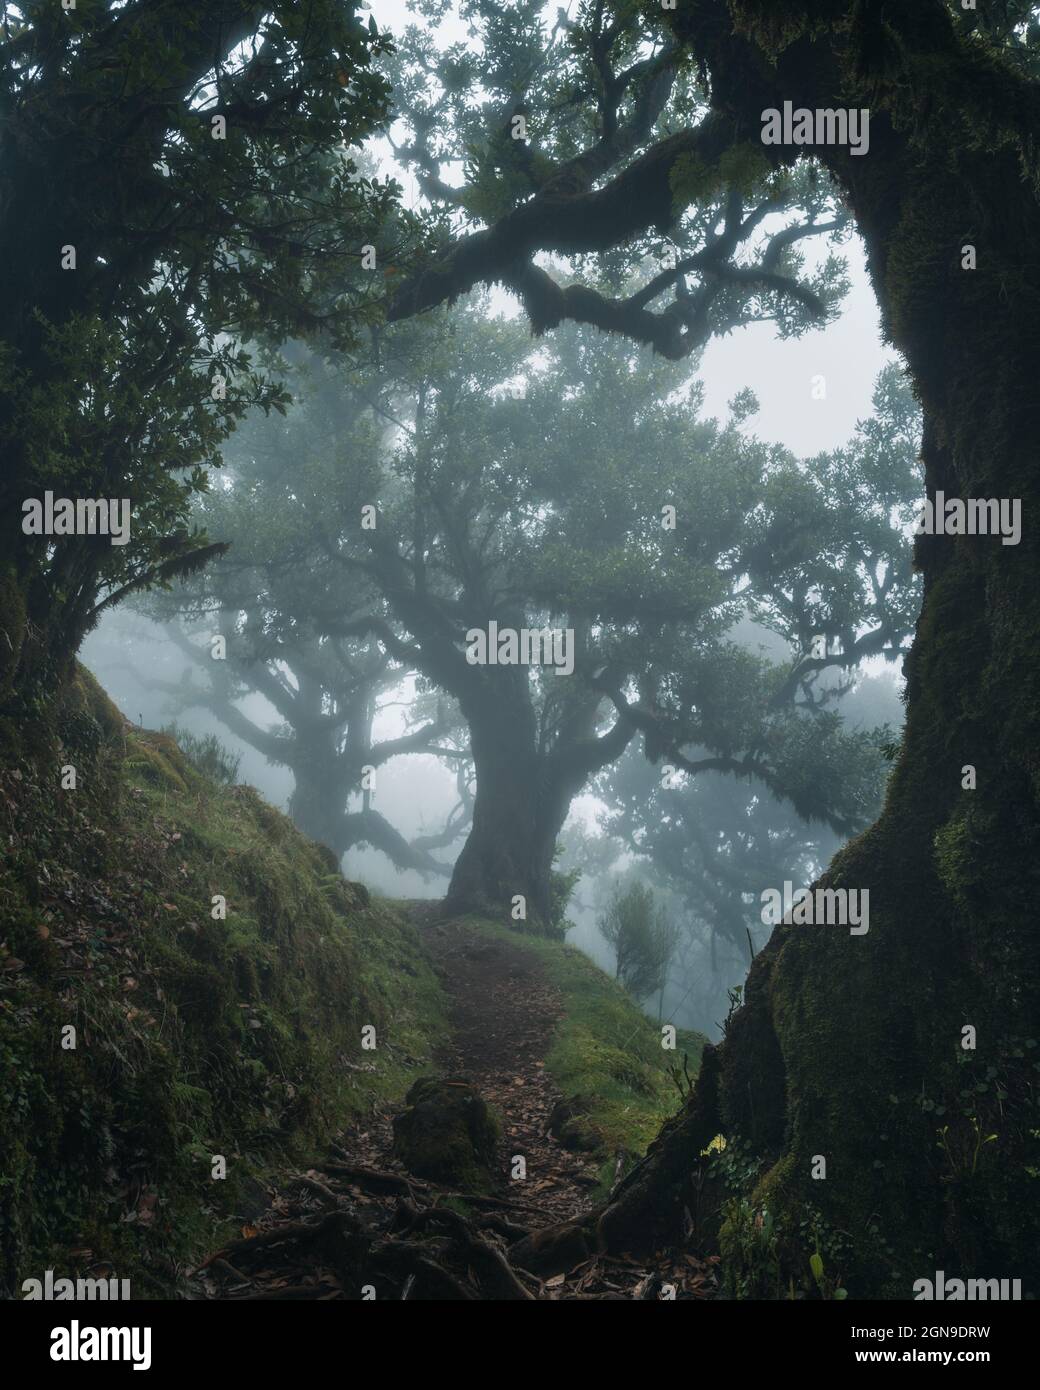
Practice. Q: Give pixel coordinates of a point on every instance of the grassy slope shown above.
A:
(197, 1037)
(194, 1036)
(605, 1049)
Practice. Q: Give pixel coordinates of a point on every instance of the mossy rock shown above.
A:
(570, 1127)
(448, 1134)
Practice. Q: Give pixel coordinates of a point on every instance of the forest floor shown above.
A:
(504, 1011)
(358, 1219)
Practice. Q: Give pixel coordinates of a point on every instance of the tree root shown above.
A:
(394, 1184)
(491, 1265)
(293, 1233)
(461, 1265)
(325, 1194)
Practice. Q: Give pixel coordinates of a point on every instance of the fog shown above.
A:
(136, 662)
(811, 389)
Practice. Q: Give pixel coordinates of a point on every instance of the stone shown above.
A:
(448, 1134)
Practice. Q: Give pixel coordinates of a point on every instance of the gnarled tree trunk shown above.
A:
(853, 1048)
(510, 847)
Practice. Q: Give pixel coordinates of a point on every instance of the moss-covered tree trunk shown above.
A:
(516, 815)
(321, 784)
(854, 1049)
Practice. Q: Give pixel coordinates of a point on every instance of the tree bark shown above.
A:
(510, 847)
(852, 1048)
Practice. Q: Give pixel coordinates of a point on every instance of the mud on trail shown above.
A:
(359, 1225)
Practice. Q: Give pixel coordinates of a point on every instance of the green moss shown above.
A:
(195, 1036)
(959, 863)
(153, 764)
(605, 1050)
(448, 1134)
(98, 706)
(742, 168)
(12, 630)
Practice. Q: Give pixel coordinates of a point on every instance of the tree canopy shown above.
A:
(172, 175)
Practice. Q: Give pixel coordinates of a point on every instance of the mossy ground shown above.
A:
(195, 1036)
(605, 1049)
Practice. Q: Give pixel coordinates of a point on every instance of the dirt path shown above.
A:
(503, 1014)
(357, 1220)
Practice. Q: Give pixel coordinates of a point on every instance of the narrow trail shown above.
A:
(503, 1015)
(359, 1225)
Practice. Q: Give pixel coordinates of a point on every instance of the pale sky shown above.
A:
(848, 354)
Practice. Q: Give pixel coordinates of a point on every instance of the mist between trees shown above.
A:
(464, 475)
(340, 454)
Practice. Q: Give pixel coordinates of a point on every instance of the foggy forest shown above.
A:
(520, 773)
